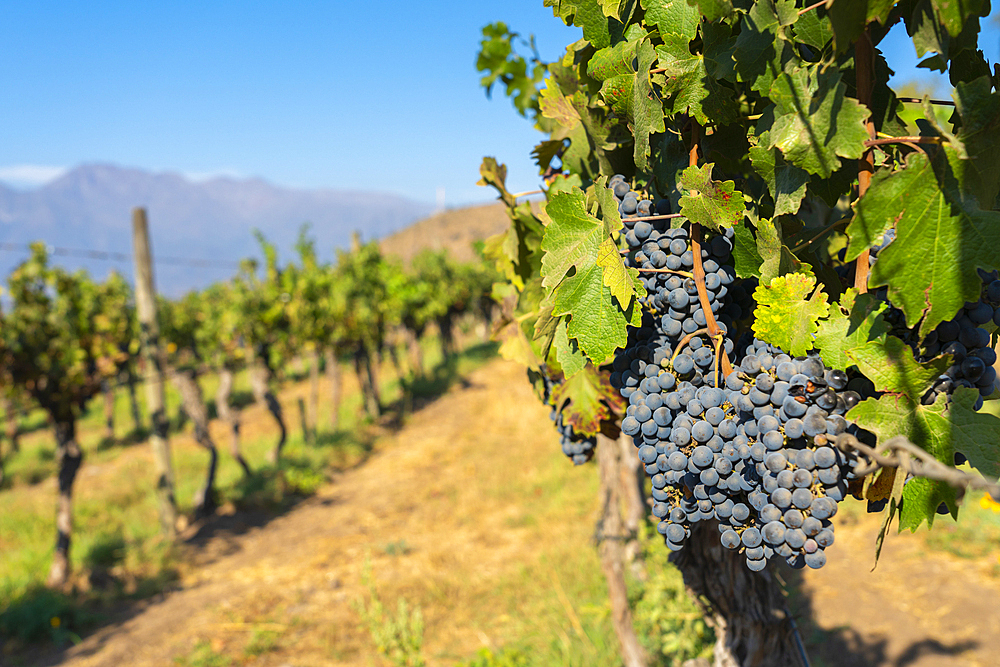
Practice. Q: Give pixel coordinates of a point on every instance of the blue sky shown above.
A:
(310, 94)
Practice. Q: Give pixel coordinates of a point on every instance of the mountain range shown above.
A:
(89, 209)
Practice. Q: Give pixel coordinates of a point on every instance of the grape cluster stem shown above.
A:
(666, 216)
(898, 452)
(699, 269)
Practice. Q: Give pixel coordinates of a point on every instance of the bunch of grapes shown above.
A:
(754, 454)
(577, 447)
(751, 449)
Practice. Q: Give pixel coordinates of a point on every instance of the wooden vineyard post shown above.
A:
(149, 341)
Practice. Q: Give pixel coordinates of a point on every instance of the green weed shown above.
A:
(261, 642)
(664, 615)
(505, 658)
(399, 637)
(203, 655)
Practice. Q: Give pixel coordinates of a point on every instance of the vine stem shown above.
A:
(676, 273)
(518, 195)
(842, 221)
(667, 216)
(684, 341)
(898, 452)
(914, 139)
(917, 100)
(699, 269)
(864, 59)
(812, 7)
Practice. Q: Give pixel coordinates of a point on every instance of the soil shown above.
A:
(446, 490)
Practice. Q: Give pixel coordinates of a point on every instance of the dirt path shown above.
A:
(437, 511)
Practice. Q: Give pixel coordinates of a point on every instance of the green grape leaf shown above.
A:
(785, 316)
(746, 259)
(814, 30)
(673, 16)
(929, 36)
(564, 183)
(494, 174)
(758, 43)
(921, 498)
(597, 323)
(686, 79)
(621, 280)
(617, 278)
(584, 399)
(950, 240)
(714, 204)
(953, 13)
(559, 107)
(978, 165)
(545, 325)
(849, 18)
(586, 14)
(545, 152)
(514, 344)
(567, 352)
(610, 8)
(612, 66)
(943, 428)
(892, 368)
(713, 10)
(785, 182)
(647, 109)
(975, 434)
(572, 239)
(719, 49)
(778, 260)
(815, 123)
(854, 323)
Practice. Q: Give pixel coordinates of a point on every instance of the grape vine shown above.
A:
(751, 247)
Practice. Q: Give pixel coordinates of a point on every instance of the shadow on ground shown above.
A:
(846, 647)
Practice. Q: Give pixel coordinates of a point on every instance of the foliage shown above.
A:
(63, 334)
(399, 637)
(39, 613)
(754, 116)
(520, 77)
(503, 658)
(673, 625)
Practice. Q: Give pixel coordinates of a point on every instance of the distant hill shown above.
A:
(89, 208)
(455, 230)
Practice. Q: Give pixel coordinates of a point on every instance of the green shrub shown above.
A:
(671, 624)
(400, 638)
(505, 658)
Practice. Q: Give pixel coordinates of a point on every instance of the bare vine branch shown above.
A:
(904, 140)
(518, 195)
(917, 100)
(900, 453)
